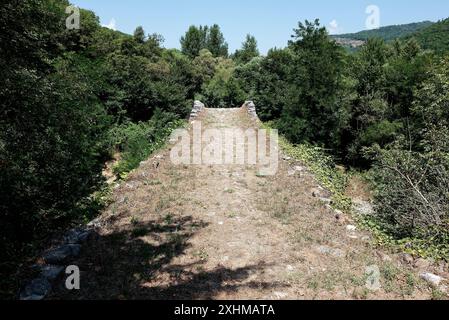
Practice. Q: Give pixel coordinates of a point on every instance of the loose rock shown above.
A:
(36, 290)
(280, 295)
(408, 259)
(61, 253)
(316, 193)
(77, 236)
(51, 272)
(431, 278)
(385, 257)
(362, 207)
(326, 201)
(97, 222)
(71, 237)
(330, 251)
(366, 238)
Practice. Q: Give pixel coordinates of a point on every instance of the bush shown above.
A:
(412, 200)
(412, 197)
(62, 92)
(137, 141)
(224, 90)
(51, 155)
(412, 175)
(264, 81)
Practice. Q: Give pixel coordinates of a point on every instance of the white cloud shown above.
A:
(111, 25)
(333, 27)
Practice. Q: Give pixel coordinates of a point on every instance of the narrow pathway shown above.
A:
(225, 232)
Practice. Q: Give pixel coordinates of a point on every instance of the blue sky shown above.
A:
(270, 21)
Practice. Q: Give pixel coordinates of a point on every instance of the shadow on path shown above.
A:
(137, 263)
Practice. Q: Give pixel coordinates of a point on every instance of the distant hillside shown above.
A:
(434, 37)
(387, 33)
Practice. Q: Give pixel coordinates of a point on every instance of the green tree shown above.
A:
(194, 40)
(152, 48)
(205, 65)
(248, 51)
(203, 37)
(139, 35)
(411, 174)
(215, 42)
(385, 80)
(265, 81)
(51, 137)
(434, 37)
(79, 39)
(224, 90)
(369, 108)
(314, 111)
(405, 70)
(430, 110)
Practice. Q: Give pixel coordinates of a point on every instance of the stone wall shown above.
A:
(251, 108)
(53, 262)
(198, 107)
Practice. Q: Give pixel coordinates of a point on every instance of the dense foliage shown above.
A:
(435, 37)
(69, 100)
(248, 52)
(429, 35)
(382, 109)
(204, 37)
(387, 33)
(412, 175)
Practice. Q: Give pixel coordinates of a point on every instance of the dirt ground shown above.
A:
(226, 232)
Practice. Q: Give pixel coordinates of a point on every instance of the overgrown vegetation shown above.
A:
(137, 141)
(324, 169)
(382, 109)
(69, 99)
(434, 37)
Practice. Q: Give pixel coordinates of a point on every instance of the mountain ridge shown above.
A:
(387, 33)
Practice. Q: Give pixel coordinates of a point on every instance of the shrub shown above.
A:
(51, 155)
(412, 175)
(136, 141)
(224, 90)
(412, 198)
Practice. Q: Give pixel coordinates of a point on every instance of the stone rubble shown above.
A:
(55, 261)
(351, 228)
(362, 207)
(432, 279)
(60, 254)
(198, 107)
(37, 289)
(251, 107)
(338, 253)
